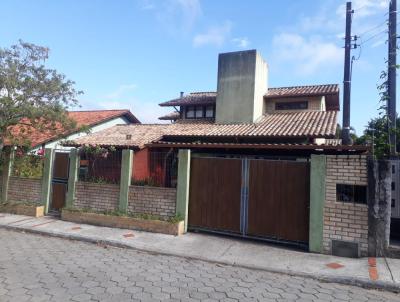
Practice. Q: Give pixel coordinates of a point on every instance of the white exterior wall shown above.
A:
(56, 144)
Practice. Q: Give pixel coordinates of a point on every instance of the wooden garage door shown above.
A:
(278, 204)
(215, 193)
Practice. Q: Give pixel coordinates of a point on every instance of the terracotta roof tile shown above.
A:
(277, 125)
(83, 118)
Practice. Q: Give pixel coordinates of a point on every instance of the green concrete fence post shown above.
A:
(46, 180)
(72, 176)
(7, 169)
(317, 201)
(126, 174)
(182, 193)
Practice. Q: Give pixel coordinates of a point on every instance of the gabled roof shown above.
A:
(306, 124)
(302, 91)
(331, 91)
(89, 118)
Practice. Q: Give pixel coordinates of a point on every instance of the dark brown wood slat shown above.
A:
(59, 191)
(61, 161)
(214, 198)
(279, 200)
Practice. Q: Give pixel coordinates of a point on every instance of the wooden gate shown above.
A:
(278, 204)
(255, 198)
(59, 180)
(215, 185)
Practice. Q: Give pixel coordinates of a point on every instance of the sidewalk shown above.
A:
(223, 250)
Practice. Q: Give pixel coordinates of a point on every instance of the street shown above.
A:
(39, 268)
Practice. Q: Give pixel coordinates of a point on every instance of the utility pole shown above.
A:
(391, 92)
(346, 139)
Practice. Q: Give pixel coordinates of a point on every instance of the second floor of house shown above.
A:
(202, 105)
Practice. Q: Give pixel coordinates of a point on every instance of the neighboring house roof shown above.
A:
(89, 118)
(331, 91)
(308, 124)
(173, 116)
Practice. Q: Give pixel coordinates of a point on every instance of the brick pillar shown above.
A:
(182, 198)
(47, 175)
(317, 201)
(8, 161)
(72, 177)
(126, 175)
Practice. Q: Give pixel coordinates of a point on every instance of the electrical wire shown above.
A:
(373, 28)
(374, 36)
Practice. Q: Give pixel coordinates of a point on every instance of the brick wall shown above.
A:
(342, 220)
(25, 190)
(152, 200)
(96, 196)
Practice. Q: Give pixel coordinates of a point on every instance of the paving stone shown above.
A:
(38, 268)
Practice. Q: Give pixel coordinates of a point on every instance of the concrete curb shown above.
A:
(364, 283)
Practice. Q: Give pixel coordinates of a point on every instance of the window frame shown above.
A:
(357, 193)
(284, 104)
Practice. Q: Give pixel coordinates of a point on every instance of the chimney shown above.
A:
(181, 94)
(242, 83)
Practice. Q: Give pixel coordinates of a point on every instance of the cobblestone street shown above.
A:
(37, 268)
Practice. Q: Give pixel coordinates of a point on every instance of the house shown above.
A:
(93, 120)
(264, 162)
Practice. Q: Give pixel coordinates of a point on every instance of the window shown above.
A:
(210, 111)
(351, 193)
(199, 111)
(190, 112)
(291, 105)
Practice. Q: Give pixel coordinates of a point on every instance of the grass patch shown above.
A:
(173, 220)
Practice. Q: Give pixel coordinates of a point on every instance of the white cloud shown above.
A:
(122, 89)
(216, 35)
(241, 42)
(306, 55)
(178, 16)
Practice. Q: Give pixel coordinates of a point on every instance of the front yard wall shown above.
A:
(26, 190)
(96, 196)
(157, 201)
(345, 221)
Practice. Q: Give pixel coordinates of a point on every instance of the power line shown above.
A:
(373, 28)
(374, 36)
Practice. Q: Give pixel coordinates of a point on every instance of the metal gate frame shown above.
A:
(244, 202)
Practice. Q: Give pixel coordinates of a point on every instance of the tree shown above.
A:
(32, 97)
(376, 134)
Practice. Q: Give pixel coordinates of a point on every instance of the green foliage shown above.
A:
(145, 182)
(116, 212)
(33, 96)
(99, 180)
(376, 134)
(28, 165)
(96, 150)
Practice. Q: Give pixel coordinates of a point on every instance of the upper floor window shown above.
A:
(291, 105)
(210, 111)
(190, 112)
(200, 112)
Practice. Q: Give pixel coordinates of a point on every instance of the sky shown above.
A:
(136, 54)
